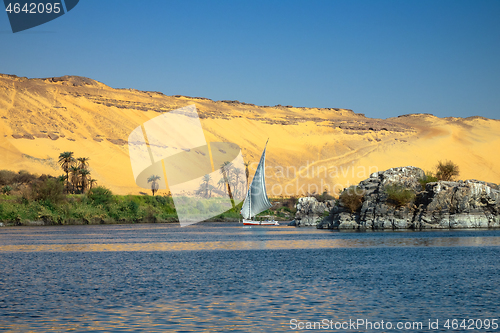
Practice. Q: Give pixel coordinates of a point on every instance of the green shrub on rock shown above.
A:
(352, 198)
(399, 195)
(428, 178)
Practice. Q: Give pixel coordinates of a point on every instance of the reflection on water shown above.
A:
(222, 277)
(79, 246)
(223, 237)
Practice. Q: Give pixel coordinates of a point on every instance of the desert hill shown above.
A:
(309, 148)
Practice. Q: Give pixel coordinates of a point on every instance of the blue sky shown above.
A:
(381, 58)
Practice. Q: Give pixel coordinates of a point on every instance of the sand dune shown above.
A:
(309, 149)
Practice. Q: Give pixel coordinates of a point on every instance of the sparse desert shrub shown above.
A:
(399, 195)
(352, 198)
(7, 177)
(290, 203)
(49, 190)
(24, 177)
(325, 196)
(100, 195)
(447, 170)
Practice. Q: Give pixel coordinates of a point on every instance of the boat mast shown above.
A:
(250, 204)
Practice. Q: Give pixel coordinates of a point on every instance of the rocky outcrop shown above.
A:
(463, 204)
(377, 212)
(310, 211)
(440, 205)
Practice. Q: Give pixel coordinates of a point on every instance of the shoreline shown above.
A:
(41, 223)
(284, 224)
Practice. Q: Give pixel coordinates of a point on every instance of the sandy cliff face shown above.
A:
(309, 149)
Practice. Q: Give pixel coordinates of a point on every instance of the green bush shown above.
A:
(6, 189)
(50, 215)
(201, 207)
(352, 198)
(8, 212)
(428, 178)
(214, 207)
(399, 195)
(124, 210)
(149, 214)
(100, 195)
(133, 207)
(88, 213)
(12, 211)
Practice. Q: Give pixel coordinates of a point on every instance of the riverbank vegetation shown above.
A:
(43, 200)
(75, 198)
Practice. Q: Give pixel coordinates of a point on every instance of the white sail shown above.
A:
(256, 200)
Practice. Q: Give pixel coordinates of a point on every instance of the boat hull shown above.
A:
(252, 222)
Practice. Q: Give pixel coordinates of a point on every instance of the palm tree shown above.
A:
(92, 182)
(154, 183)
(247, 172)
(222, 185)
(74, 176)
(205, 188)
(225, 170)
(84, 179)
(237, 174)
(84, 162)
(66, 160)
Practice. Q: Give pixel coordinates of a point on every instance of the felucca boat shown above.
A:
(256, 200)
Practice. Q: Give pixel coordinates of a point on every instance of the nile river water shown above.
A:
(223, 277)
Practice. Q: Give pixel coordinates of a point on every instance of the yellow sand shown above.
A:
(307, 149)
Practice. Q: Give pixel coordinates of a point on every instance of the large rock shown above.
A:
(310, 211)
(442, 205)
(462, 204)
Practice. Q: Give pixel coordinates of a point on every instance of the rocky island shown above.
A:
(433, 205)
